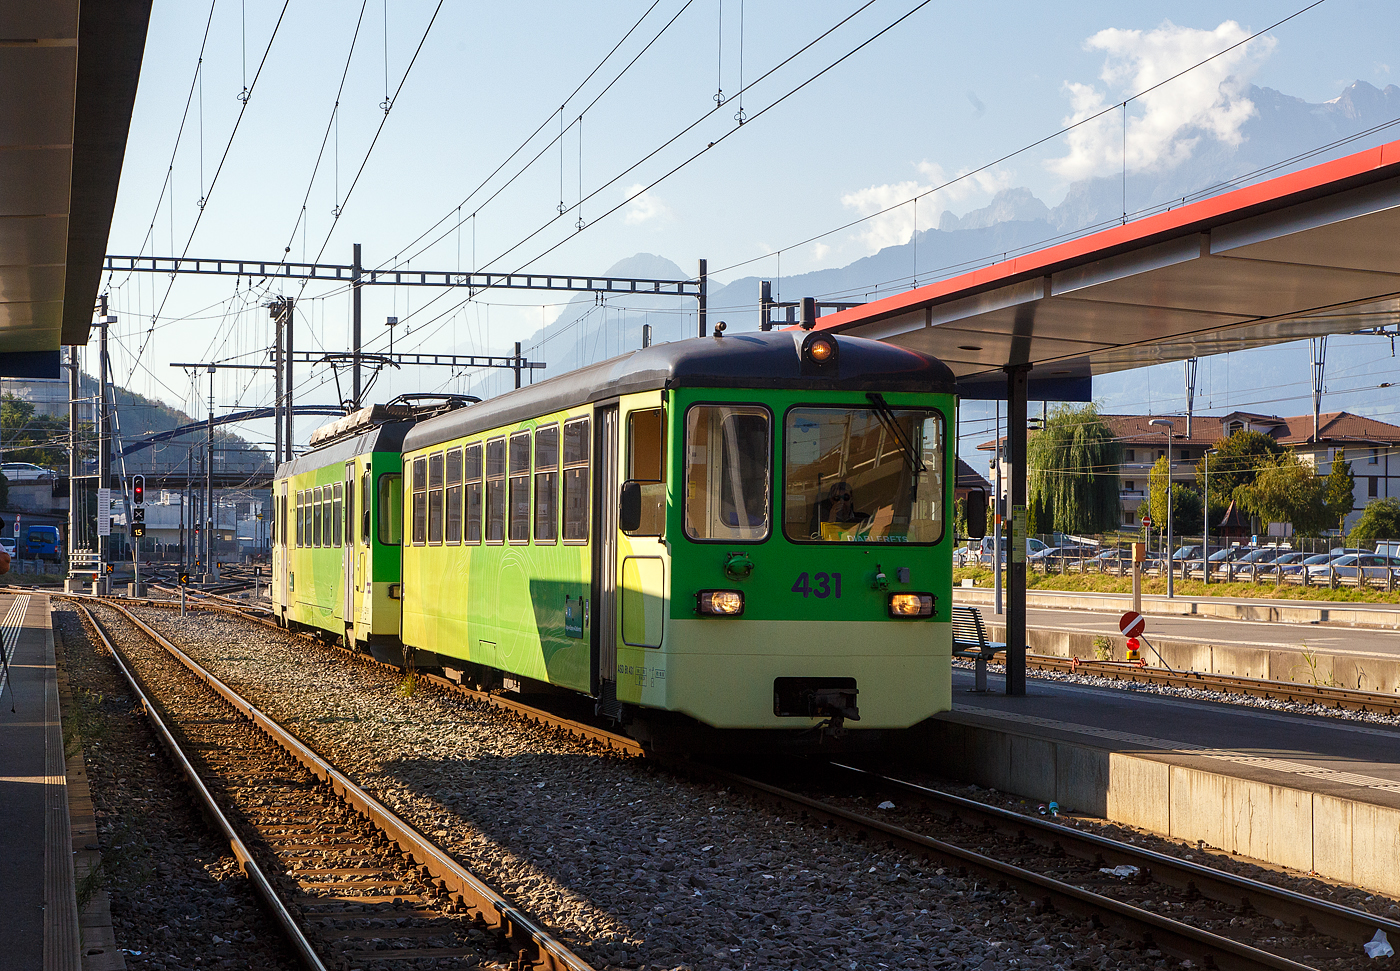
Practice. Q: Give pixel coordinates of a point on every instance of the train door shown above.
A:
(347, 552)
(282, 548)
(605, 493)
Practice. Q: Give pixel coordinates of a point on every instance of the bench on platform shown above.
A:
(970, 643)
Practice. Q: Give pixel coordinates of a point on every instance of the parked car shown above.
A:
(7, 543)
(985, 548)
(1219, 559)
(1259, 561)
(1068, 553)
(26, 472)
(1308, 562)
(41, 543)
(1350, 566)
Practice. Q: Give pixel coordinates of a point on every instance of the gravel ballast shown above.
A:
(625, 863)
(178, 899)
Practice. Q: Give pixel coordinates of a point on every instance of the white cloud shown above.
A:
(897, 226)
(1165, 126)
(819, 251)
(645, 207)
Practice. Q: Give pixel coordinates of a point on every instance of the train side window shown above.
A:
(547, 484)
(337, 515)
(348, 519)
(301, 518)
(327, 516)
(420, 501)
(496, 491)
(435, 499)
(471, 472)
(453, 497)
(519, 514)
(390, 509)
(646, 465)
(316, 516)
(364, 507)
(577, 445)
(727, 472)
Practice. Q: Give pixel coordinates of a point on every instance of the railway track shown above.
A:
(348, 882)
(1326, 696)
(1111, 903)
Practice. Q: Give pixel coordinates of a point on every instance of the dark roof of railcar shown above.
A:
(387, 437)
(754, 360)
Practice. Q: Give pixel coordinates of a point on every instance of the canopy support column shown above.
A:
(1017, 521)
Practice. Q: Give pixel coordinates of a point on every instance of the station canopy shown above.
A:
(1311, 253)
(68, 76)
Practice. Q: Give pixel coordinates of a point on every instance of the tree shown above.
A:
(27, 437)
(1288, 491)
(1074, 463)
(1340, 496)
(1186, 502)
(1380, 519)
(1237, 461)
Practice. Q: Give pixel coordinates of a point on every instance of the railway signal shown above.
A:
(138, 489)
(1132, 624)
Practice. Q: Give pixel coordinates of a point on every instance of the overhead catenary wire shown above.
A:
(1032, 145)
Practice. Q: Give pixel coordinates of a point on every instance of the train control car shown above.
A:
(338, 527)
(725, 540)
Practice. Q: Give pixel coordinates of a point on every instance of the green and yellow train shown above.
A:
(722, 541)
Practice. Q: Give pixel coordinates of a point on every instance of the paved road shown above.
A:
(1326, 638)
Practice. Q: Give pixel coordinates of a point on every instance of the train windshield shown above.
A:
(863, 475)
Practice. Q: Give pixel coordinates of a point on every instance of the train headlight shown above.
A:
(819, 352)
(911, 605)
(719, 603)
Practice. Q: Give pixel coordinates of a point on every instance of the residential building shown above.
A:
(1372, 447)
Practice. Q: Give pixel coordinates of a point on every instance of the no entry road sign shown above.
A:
(1132, 624)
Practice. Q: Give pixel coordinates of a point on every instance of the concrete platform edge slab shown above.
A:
(1342, 839)
(62, 935)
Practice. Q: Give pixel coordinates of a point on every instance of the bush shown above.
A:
(1379, 520)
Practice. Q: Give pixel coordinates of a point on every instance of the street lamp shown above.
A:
(1171, 571)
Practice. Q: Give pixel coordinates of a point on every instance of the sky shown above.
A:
(945, 90)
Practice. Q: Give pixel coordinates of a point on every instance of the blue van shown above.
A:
(40, 543)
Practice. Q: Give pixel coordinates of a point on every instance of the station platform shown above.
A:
(1216, 638)
(37, 895)
(1310, 793)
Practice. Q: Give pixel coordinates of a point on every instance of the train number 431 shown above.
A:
(821, 585)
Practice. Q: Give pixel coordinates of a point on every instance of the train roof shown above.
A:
(762, 360)
(384, 437)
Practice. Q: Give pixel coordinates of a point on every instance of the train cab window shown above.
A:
(452, 524)
(435, 499)
(420, 501)
(520, 488)
(337, 515)
(577, 445)
(547, 484)
(390, 509)
(863, 475)
(364, 507)
(496, 491)
(471, 474)
(727, 465)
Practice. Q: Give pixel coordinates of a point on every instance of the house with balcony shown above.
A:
(1372, 447)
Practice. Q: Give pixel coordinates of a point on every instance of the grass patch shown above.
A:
(1108, 583)
(83, 720)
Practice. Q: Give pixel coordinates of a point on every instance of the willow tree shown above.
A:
(1074, 464)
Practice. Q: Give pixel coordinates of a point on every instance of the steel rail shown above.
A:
(1324, 916)
(618, 743)
(1325, 696)
(1173, 937)
(468, 891)
(263, 887)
